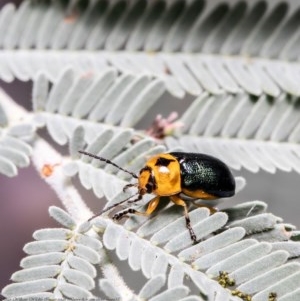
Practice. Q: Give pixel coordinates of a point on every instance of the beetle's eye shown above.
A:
(149, 187)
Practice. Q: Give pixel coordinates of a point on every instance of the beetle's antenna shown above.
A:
(108, 162)
(115, 205)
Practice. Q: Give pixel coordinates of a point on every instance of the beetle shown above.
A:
(182, 177)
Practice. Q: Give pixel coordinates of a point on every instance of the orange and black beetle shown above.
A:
(179, 176)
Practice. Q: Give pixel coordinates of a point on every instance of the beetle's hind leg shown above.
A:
(212, 210)
(151, 207)
(178, 201)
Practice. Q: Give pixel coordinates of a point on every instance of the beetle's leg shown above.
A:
(178, 201)
(211, 209)
(151, 207)
(128, 186)
(115, 205)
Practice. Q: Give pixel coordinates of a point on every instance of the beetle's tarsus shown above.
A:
(191, 230)
(128, 186)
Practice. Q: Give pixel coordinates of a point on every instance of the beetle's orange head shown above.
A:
(161, 176)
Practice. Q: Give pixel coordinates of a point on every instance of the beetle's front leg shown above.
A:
(151, 207)
(128, 186)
